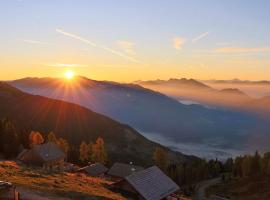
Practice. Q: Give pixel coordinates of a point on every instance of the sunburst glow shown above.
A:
(69, 74)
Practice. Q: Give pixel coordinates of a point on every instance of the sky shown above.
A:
(128, 40)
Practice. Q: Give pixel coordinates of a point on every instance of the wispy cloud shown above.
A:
(34, 42)
(65, 65)
(93, 44)
(127, 46)
(232, 50)
(199, 37)
(178, 42)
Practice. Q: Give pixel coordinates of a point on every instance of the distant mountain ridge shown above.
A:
(150, 111)
(192, 83)
(238, 81)
(229, 97)
(77, 124)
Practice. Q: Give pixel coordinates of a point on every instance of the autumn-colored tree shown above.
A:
(51, 137)
(161, 158)
(35, 138)
(63, 144)
(84, 156)
(99, 153)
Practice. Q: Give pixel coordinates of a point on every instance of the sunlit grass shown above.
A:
(63, 184)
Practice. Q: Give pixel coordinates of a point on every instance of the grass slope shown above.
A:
(74, 186)
(247, 188)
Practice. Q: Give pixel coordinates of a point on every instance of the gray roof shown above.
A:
(123, 170)
(95, 169)
(49, 152)
(152, 183)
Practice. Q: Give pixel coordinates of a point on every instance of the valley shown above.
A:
(223, 131)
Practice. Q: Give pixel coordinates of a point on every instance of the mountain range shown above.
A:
(76, 124)
(153, 112)
(229, 97)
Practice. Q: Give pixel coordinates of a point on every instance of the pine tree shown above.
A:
(9, 139)
(255, 168)
(99, 153)
(246, 166)
(161, 158)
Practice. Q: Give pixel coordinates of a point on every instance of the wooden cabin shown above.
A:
(121, 170)
(49, 156)
(95, 170)
(148, 184)
(8, 191)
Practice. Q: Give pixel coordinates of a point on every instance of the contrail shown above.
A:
(201, 36)
(84, 40)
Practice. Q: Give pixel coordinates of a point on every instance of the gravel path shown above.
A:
(202, 186)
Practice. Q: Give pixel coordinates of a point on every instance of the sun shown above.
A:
(69, 74)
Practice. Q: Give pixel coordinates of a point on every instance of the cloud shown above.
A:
(127, 46)
(178, 42)
(231, 50)
(65, 65)
(199, 37)
(34, 42)
(93, 44)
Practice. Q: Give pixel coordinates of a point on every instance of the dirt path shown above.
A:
(202, 186)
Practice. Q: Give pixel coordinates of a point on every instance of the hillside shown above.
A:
(35, 182)
(77, 124)
(150, 111)
(248, 189)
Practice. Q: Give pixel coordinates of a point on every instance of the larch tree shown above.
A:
(51, 137)
(99, 153)
(84, 156)
(35, 137)
(161, 158)
(63, 144)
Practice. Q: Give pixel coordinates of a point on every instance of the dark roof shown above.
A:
(152, 183)
(5, 185)
(95, 169)
(49, 152)
(215, 197)
(21, 155)
(123, 170)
